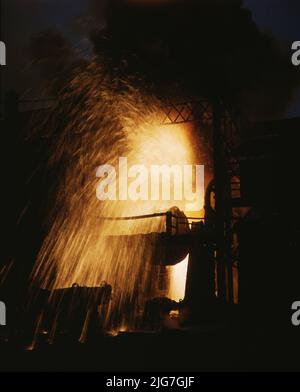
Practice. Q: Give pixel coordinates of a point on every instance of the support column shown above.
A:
(219, 167)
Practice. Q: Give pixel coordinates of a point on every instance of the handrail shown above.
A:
(124, 218)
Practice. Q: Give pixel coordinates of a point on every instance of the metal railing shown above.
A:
(173, 223)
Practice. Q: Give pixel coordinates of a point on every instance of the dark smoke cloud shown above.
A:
(209, 45)
(55, 57)
(206, 45)
(23, 19)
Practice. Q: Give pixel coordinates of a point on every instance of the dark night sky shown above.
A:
(281, 17)
(74, 18)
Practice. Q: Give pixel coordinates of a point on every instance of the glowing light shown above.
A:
(115, 121)
(178, 280)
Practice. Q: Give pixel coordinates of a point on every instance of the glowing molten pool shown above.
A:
(178, 280)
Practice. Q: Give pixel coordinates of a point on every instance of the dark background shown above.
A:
(74, 19)
(241, 50)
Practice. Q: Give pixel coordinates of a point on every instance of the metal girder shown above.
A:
(178, 113)
(201, 111)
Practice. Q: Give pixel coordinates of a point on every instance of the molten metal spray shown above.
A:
(99, 119)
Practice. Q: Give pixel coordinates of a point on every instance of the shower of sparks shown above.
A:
(98, 119)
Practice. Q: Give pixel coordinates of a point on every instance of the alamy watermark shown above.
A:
(296, 313)
(156, 182)
(2, 53)
(2, 314)
(296, 53)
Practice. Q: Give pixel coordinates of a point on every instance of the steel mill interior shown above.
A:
(149, 282)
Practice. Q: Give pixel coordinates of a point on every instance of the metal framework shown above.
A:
(178, 113)
(217, 116)
(202, 111)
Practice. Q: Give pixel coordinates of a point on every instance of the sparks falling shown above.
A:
(97, 119)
